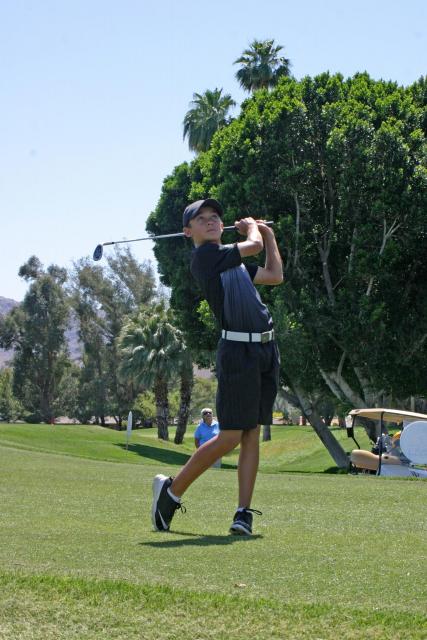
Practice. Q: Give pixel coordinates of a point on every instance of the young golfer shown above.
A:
(247, 363)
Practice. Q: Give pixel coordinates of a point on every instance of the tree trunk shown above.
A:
(334, 448)
(187, 381)
(331, 443)
(266, 432)
(45, 406)
(297, 226)
(162, 408)
(341, 389)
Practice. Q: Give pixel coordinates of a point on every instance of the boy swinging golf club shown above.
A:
(247, 363)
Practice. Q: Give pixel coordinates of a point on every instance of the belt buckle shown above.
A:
(265, 337)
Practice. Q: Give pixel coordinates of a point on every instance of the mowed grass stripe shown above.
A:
(291, 448)
(43, 607)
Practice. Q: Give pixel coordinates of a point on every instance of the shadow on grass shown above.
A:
(154, 453)
(330, 470)
(164, 455)
(196, 540)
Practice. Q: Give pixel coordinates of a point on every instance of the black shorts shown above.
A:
(248, 379)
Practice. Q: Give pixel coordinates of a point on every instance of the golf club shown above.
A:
(99, 250)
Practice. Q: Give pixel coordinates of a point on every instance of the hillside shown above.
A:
(7, 304)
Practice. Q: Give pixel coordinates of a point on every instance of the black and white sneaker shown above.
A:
(242, 522)
(164, 506)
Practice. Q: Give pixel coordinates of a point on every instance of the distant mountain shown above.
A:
(6, 305)
(72, 334)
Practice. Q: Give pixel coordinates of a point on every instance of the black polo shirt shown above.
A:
(227, 285)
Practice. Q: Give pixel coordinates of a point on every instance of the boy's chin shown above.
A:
(212, 239)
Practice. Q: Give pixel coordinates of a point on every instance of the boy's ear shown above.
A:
(187, 232)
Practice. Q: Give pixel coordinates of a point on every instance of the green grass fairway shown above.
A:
(334, 556)
(291, 448)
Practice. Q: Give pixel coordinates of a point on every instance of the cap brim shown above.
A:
(193, 210)
(211, 202)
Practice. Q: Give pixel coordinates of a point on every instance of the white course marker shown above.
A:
(129, 429)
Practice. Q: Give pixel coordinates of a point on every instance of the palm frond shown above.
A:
(261, 66)
(208, 113)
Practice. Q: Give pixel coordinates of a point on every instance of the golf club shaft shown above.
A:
(168, 235)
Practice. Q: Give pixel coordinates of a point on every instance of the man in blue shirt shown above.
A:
(207, 428)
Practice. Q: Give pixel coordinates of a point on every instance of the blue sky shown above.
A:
(93, 95)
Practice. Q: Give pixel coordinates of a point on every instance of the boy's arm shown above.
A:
(253, 243)
(272, 272)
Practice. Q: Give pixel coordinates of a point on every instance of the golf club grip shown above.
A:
(270, 223)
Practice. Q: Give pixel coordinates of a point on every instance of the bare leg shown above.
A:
(364, 459)
(367, 460)
(248, 465)
(203, 458)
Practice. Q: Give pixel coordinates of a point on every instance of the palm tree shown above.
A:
(261, 66)
(207, 115)
(152, 349)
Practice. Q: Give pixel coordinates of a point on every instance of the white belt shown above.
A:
(238, 336)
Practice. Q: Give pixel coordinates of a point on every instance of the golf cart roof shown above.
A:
(389, 415)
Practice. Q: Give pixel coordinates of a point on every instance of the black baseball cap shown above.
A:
(193, 209)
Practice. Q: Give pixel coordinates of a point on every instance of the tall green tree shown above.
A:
(261, 67)
(144, 407)
(208, 113)
(204, 395)
(151, 350)
(103, 297)
(340, 166)
(419, 94)
(10, 407)
(36, 331)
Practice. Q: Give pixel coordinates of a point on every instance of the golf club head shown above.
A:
(97, 254)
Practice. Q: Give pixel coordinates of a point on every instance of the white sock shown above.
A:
(173, 496)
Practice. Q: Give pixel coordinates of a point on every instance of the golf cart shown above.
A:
(400, 452)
